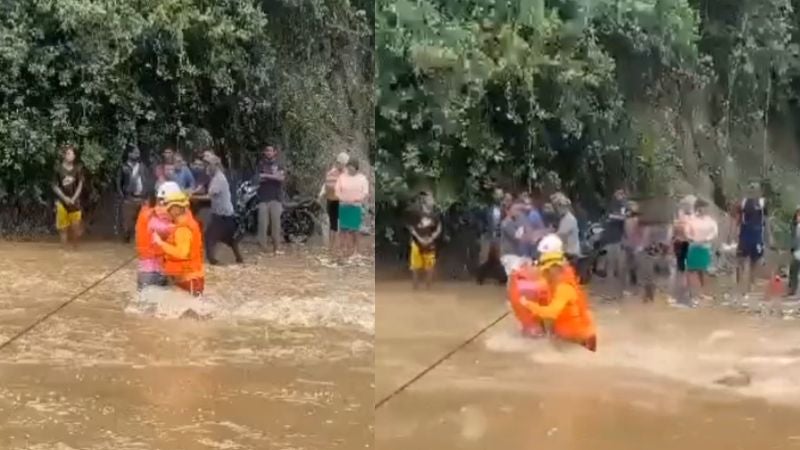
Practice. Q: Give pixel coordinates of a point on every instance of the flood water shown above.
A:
(663, 378)
(286, 362)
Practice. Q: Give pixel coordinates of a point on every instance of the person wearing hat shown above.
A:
(183, 249)
(328, 192)
(567, 228)
(566, 312)
(152, 219)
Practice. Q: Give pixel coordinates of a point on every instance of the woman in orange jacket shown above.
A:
(183, 249)
(567, 310)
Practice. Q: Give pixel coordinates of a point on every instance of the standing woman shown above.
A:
(352, 189)
(702, 232)
(328, 191)
(68, 187)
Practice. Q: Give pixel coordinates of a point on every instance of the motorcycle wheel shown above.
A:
(297, 226)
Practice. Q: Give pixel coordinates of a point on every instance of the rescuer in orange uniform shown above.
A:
(566, 312)
(183, 249)
(152, 218)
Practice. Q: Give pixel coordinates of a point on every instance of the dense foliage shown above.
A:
(234, 74)
(582, 95)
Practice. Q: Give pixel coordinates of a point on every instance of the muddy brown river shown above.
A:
(286, 363)
(663, 378)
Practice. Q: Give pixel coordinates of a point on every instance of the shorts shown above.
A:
(195, 286)
(752, 249)
(333, 214)
(66, 219)
(681, 249)
(421, 260)
(698, 258)
(350, 217)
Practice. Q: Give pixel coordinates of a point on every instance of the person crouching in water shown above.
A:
(152, 219)
(566, 313)
(527, 282)
(183, 249)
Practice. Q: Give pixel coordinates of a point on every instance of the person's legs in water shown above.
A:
(228, 237)
(212, 236)
(195, 286)
(145, 279)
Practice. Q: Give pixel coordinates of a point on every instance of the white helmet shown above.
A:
(550, 244)
(168, 189)
(343, 158)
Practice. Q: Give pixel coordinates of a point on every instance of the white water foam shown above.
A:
(335, 311)
(765, 361)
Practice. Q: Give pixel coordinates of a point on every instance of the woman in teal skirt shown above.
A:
(352, 189)
(702, 232)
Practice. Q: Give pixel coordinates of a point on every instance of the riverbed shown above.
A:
(663, 378)
(286, 362)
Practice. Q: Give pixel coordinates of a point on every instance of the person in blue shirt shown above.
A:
(183, 174)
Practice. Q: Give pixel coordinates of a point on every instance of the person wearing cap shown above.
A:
(328, 192)
(152, 219)
(222, 225)
(566, 313)
(271, 176)
(567, 228)
(183, 248)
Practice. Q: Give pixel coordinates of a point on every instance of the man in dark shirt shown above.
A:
(425, 227)
(271, 177)
(131, 186)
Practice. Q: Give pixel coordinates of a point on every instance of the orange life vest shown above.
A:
(191, 267)
(145, 246)
(575, 321)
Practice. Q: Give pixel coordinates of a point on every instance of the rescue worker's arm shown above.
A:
(563, 295)
(183, 240)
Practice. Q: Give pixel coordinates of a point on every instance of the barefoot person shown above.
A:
(352, 189)
(68, 187)
(754, 233)
(425, 227)
(566, 312)
(183, 249)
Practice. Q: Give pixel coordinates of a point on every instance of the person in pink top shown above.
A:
(352, 189)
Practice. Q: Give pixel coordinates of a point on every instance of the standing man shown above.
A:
(222, 226)
(68, 187)
(425, 227)
(612, 237)
(131, 184)
(754, 232)
(328, 191)
(166, 170)
(567, 227)
(271, 177)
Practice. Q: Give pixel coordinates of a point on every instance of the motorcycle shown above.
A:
(298, 220)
